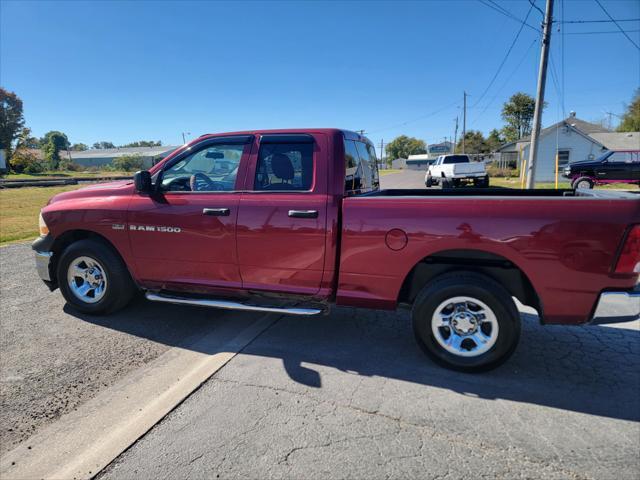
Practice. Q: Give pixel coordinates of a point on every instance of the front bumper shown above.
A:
(43, 261)
(43, 247)
(615, 307)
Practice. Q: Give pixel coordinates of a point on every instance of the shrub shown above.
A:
(495, 171)
(24, 161)
(128, 163)
(69, 166)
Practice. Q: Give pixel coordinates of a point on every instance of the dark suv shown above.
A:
(620, 166)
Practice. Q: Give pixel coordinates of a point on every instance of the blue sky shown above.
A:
(124, 71)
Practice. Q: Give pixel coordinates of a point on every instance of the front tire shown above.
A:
(466, 321)
(93, 278)
(429, 182)
(582, 182)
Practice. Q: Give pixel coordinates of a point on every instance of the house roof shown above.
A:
(587, 129)
(580, 125)
(618, 140)
(119, 152)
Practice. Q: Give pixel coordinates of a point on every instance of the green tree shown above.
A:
(143, 143)
(128, 163)
(79, 147)
(25, 161)
(26, 140)
(631, 118)
(53, 142)
(103, 145)
(474, 142)
(495, 140)
(518, 114)
(11, 119)
(403, 146)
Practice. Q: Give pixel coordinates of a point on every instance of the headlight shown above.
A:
(42, 226)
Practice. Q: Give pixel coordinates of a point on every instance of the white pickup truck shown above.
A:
(455, 170)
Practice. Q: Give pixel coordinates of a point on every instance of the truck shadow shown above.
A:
(590, 369)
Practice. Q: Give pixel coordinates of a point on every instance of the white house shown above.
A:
(419, 161)
(572, 140)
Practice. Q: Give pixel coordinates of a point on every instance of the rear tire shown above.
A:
(446, 183)
(482, 327)
(481, 182)
(93, 278)
(582, 182)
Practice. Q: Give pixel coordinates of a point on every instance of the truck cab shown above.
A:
(615, 166)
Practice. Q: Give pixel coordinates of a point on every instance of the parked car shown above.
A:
(456, 170)
(300, 224)
(620, 166)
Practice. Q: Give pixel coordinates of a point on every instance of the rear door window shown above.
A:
(285, 166)
(361, 167)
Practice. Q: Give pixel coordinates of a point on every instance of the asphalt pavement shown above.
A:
(352, 396)
(53, 359)
(403, 179)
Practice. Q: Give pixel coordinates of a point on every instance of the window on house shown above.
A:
(563, 158)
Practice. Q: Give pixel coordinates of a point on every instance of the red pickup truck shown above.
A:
(292, 221)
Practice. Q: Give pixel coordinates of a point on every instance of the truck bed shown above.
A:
(506, 192)
(565, 241)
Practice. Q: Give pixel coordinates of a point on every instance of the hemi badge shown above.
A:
(117, 226)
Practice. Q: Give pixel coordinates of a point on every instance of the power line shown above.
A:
(617, 25)
(498, 8)
(533, 2)
(504, 60)
(555, 81)
(601, 32)
(435, 112)
(562, 57)
(601, 21)
(504, 84)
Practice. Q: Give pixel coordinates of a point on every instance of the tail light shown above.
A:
(629, 257)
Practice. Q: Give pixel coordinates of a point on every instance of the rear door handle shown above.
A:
(216, 212)
(303, 213)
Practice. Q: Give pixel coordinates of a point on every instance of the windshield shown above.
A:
(604, 156)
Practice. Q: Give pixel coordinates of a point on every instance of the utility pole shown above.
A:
(381, 151)
(542, 80)
(464, 121)
(455, 137)
(611, 115)
(183, 136)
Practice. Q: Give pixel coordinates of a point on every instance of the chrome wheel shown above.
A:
(87, 279)
(583, 184)
(464, 326)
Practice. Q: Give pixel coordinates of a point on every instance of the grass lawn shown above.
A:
(515, 183)
(62, 174)
(19, 209)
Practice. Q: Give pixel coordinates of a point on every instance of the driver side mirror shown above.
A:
(142, 181)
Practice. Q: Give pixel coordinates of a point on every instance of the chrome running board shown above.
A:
(228, 305)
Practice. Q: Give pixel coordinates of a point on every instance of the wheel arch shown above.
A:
(69, 237)
(501, 269)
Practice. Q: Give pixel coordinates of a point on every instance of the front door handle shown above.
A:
(216, 212)
(303, 213)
